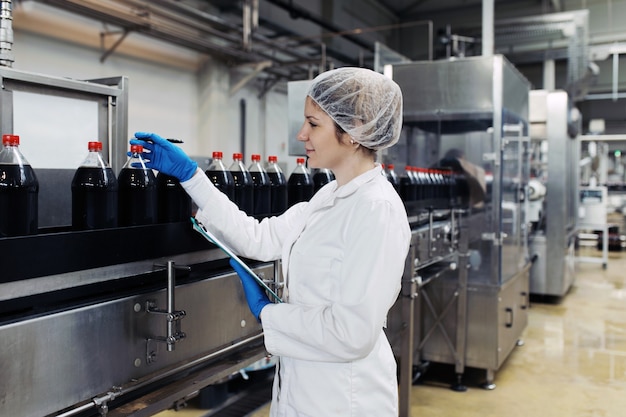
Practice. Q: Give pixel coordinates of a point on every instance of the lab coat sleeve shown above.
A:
(347, 329)
(245, 235)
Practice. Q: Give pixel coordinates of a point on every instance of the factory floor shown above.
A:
(572, 362)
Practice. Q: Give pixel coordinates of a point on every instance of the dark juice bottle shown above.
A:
(220, 176)
(321, 177)
(391, 175)
(429, 187)
(408, 187)
(244, 188)
(300, 184)
(261, 187)
(19, 190)
(278, 185)
(94, 192)
(422, 185)
(137, 195)
(174, 204)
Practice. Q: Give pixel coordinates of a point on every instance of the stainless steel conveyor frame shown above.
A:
(111, 94)
(438, 251)
(409, 330)
(84, 339)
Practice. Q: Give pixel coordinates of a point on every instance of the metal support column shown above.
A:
(408, 295)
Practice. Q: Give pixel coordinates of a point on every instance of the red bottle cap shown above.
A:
(272, 158)
(94, 146)
(10, 140)
(390, 167)
(237, 156)
(256, 157)
(136, 148)
(217, 155)
(300, 160)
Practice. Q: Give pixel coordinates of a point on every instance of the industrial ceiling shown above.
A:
(269, 44)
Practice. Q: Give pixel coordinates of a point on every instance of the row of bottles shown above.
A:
(429, 187)
(139, 197)
(264, 190)
(136, 197)
(99, 199)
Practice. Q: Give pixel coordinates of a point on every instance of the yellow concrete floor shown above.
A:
(572, 363)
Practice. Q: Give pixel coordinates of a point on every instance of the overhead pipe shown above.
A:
(272, 45)
(176, 32)
(242, 126)
(297, 12)
(6, 34)
(487, 33)
(175, 25)
(180, 24)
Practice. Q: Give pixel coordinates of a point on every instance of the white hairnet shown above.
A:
(365, 104)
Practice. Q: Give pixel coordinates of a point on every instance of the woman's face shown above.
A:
(318, 134)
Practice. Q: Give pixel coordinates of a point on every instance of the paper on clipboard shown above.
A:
(211, 238)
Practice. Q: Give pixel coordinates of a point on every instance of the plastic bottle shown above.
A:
(220, 176)
(443, 198)
(408, 186)
(137, 195)
(421, 189)
(94, 192)
(450, 184)
(278, 185)
(243, 187)
(174, 204)
(430, 190)
(19, 190)
(321, 177)
(262, 190)
(300, 184)
(391, 175)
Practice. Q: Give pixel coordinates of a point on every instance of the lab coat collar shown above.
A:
(333, 192)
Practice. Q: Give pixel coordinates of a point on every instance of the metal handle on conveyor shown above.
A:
(173, 316)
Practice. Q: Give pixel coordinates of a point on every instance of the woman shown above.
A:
(343, 252)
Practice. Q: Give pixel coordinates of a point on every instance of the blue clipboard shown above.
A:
(211, 238)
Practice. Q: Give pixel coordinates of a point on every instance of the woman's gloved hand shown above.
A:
(255, 295)
(164, 156)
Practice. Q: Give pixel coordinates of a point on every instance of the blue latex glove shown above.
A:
(255, 294)
(164, 156)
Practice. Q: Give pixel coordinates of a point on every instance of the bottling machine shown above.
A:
(553, 193)
(474, 111)
(119, 321)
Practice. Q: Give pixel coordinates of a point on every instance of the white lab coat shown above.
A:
(343, 257)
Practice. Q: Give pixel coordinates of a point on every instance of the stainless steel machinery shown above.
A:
(118, 321)
(112, 322)
(553, 194)
(474, 110)
(438, 251)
